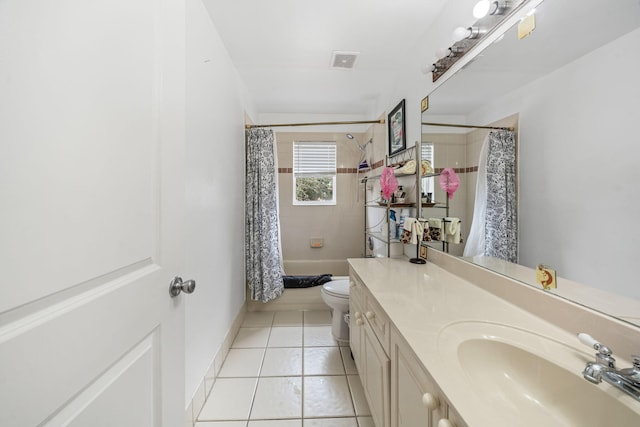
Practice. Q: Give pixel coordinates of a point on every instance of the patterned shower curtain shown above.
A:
(494, 229)
(262, 232)
(501, 226)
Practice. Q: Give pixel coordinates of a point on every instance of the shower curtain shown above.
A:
(263, 250)
(494, 229)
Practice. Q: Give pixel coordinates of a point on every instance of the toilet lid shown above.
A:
(339, 288)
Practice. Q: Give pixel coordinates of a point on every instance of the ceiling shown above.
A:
(282, 49)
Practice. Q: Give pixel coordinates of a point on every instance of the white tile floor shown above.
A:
(284, 369)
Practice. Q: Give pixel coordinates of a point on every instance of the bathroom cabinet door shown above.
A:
(376, 377)
(91, 165)
(356, 332)
(369, 325)
(415, 399)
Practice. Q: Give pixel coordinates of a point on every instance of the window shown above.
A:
(314, 173)
(427, 153)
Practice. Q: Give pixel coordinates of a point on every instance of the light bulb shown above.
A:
(493, 7)
(432, 68)
(442, 52)
(481, 9)
(461, 33)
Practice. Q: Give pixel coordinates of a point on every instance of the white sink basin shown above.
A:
(526, 377)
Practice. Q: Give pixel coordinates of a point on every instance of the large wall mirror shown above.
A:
(571, 91)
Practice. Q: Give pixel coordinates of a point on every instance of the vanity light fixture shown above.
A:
(449, 52)
(462, 33)
(489, 14)
(442, 52)
(432, 68)
(488, 7)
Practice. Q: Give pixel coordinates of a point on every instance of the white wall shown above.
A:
(214, 196)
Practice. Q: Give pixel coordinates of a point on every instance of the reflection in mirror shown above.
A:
(570, 91)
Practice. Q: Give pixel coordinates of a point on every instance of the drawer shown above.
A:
(356, 290)
(378, 321)
(372, 313)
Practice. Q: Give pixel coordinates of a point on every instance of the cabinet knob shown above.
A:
(430, 401)
(359, 322)
(445, 423)
(358, 315)
(352, 284)
(370, 315)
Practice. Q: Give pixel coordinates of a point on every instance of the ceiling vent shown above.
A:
(344, 60)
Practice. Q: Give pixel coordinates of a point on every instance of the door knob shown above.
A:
(177, 286)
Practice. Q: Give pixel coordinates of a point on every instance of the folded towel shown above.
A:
(426, 236)
(426, 167)
(412, 231)
(408, 223)
(407, 229)
(435, 222)
(408, 168)
(435, 228)
(417, 232)
(452, 230)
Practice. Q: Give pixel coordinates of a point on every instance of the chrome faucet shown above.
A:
(604, 368)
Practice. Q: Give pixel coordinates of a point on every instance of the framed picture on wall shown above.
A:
(396, 125)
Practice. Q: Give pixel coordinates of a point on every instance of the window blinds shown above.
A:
(314, 159)
(426, 149)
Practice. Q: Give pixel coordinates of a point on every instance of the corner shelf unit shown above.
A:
(377, 203)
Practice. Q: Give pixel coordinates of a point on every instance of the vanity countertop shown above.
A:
(422, 300)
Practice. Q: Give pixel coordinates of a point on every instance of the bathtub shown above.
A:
(305, 298)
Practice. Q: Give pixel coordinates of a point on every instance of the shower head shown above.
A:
(361, 147)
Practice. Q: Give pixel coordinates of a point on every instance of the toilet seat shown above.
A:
(337, 288)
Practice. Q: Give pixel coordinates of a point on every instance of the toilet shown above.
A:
(335, 294)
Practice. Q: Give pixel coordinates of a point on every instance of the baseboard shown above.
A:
(200, 396)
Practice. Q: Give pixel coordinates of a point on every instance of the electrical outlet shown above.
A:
(316, 242)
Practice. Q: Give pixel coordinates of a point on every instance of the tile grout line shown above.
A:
(255, 391)
(304, 374)
(351, 393)
(302, 370)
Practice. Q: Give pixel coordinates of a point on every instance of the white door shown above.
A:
(91, 154)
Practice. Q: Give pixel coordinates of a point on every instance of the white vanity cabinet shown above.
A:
(399, 391)
(416, 400)
(369, 340)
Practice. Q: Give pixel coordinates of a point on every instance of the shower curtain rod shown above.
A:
(357, 122)
(465, 126)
